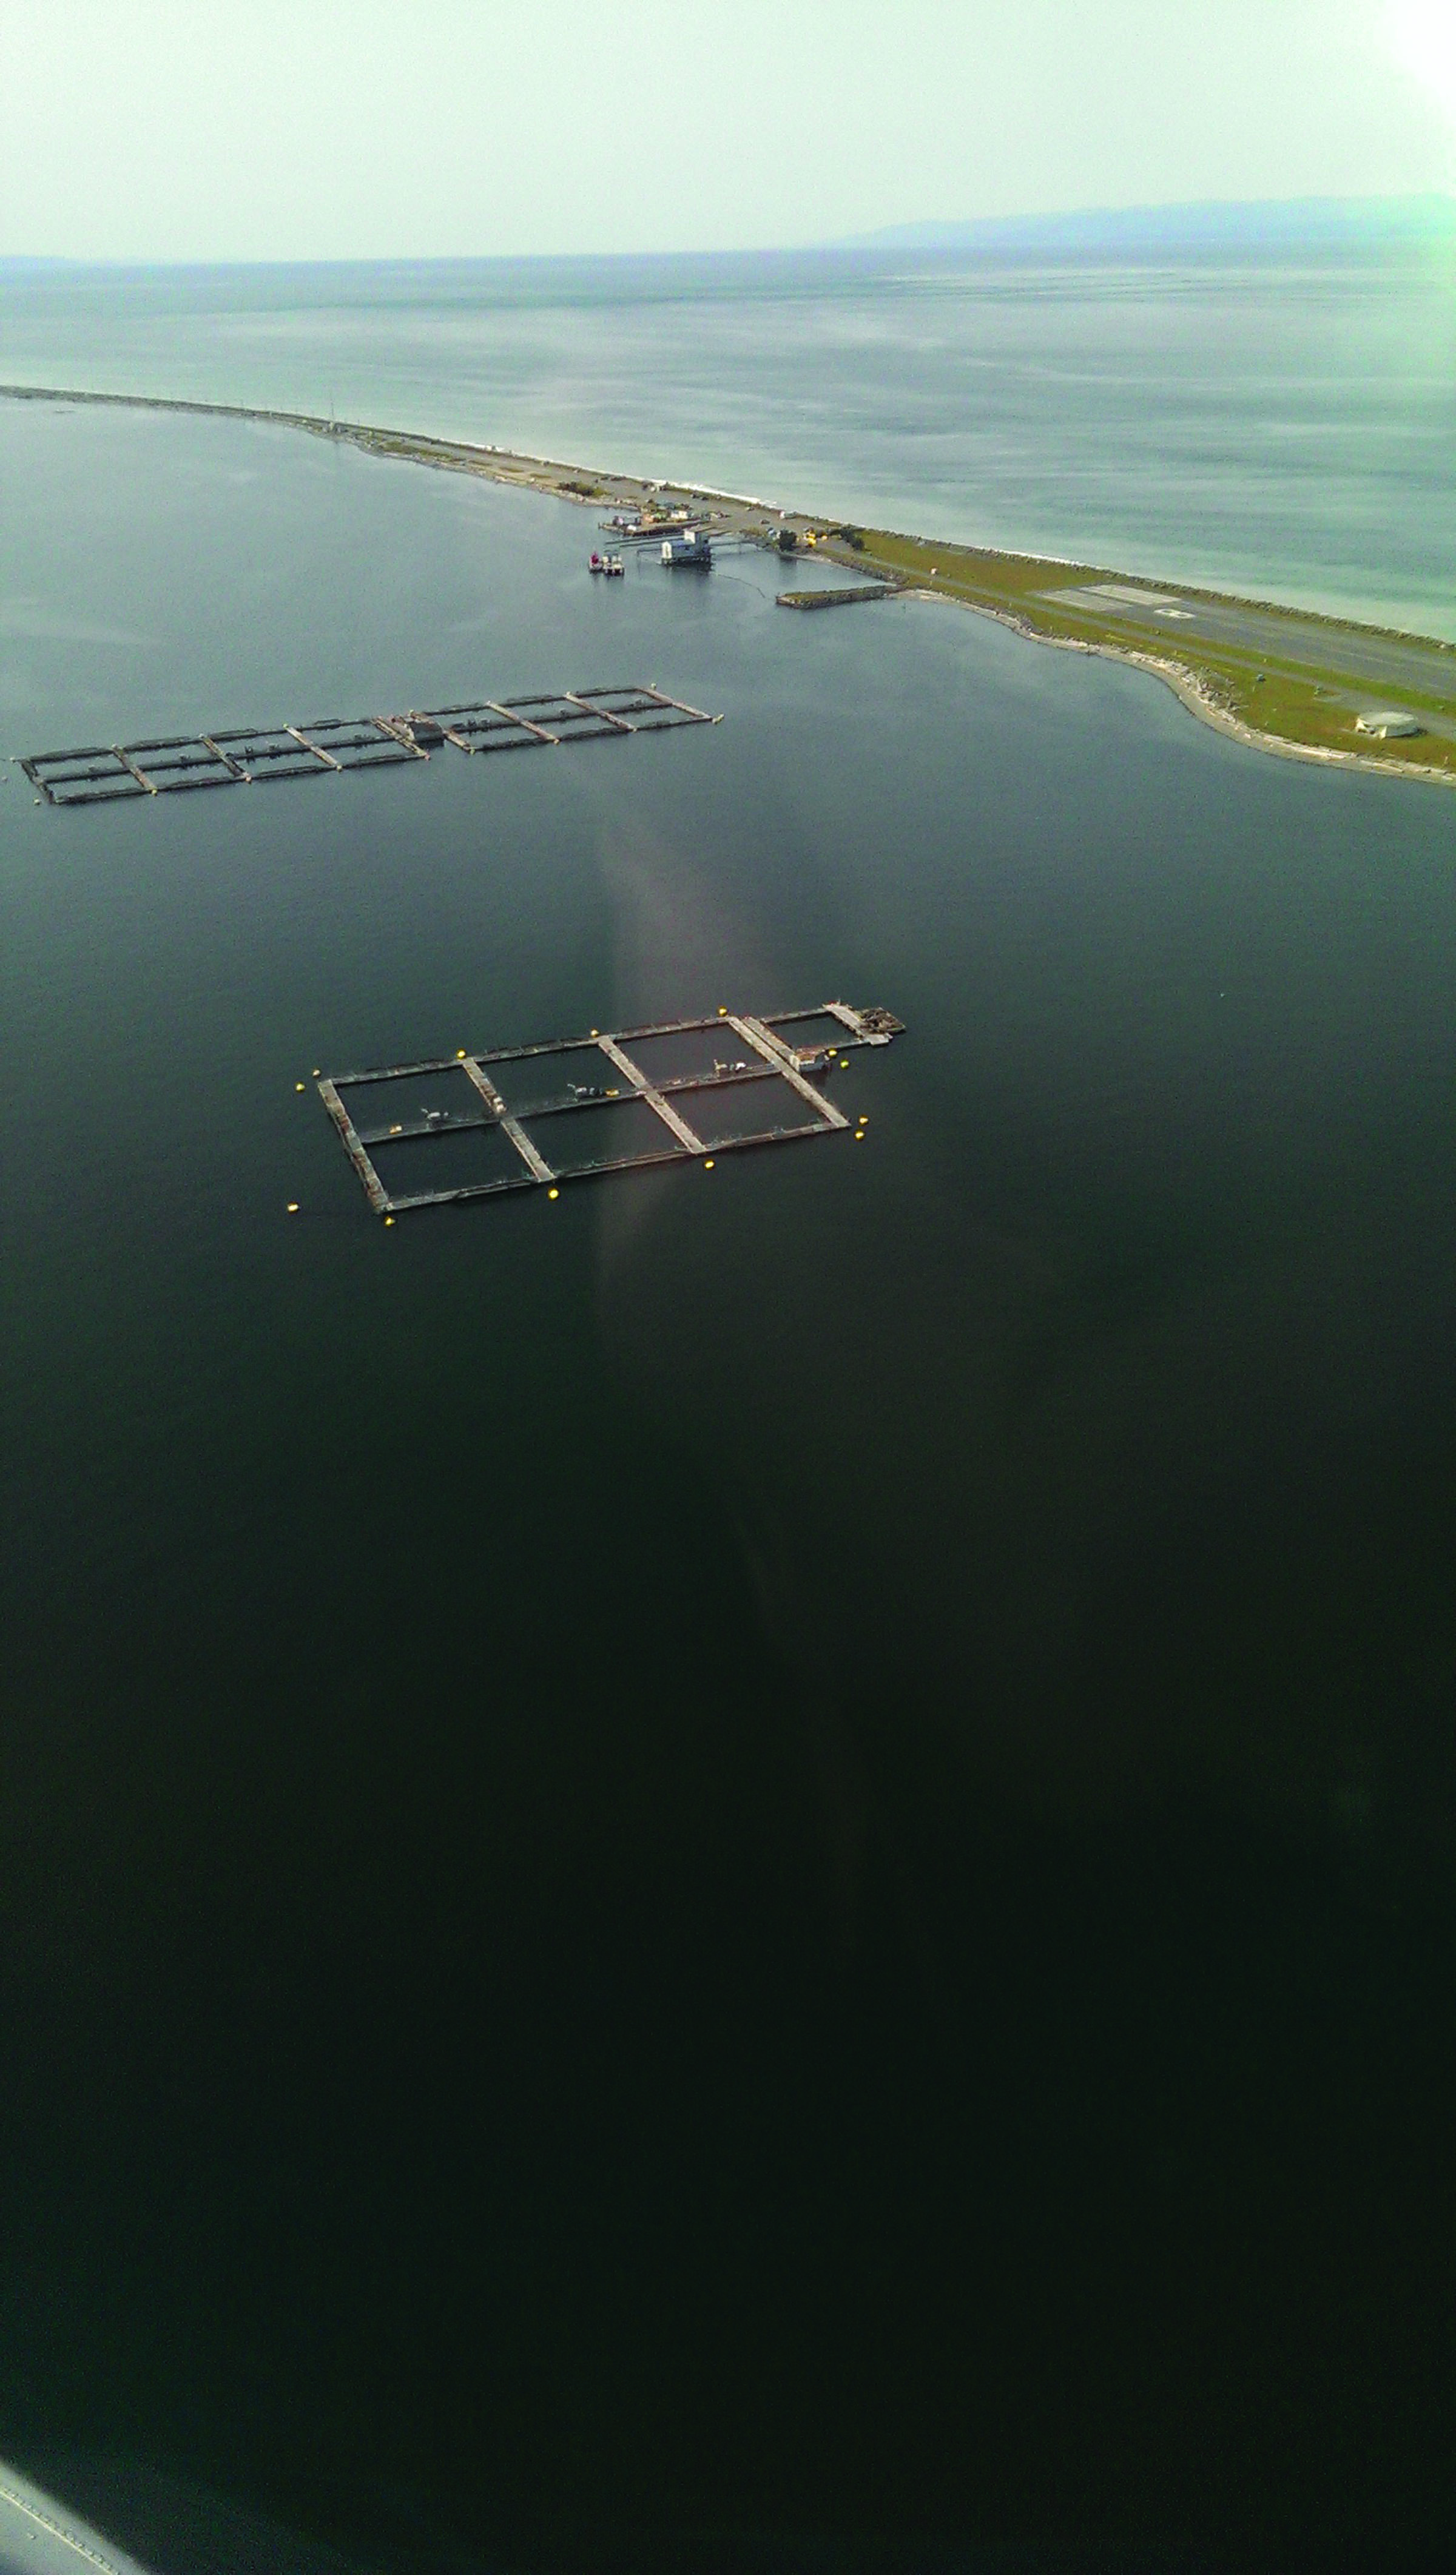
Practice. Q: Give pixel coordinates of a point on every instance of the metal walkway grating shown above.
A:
(249, 755)
(771, 1093)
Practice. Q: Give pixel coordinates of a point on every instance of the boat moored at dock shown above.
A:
(690, 549)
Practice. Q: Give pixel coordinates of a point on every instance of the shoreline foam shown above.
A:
(597, 487)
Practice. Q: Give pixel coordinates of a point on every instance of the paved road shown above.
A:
(1373, 658)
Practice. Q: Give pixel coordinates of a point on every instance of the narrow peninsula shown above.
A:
(1285, 680)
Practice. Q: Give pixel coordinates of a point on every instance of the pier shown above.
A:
(255, 755)
(512, 1118)
(850, 595)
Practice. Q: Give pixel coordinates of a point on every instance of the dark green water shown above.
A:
(755, 1853)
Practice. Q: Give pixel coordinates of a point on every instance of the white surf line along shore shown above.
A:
(515, 471)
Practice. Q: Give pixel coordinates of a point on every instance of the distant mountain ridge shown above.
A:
(1210, 225)
(1277, 223)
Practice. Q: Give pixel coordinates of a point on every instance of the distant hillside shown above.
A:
(1293, 223)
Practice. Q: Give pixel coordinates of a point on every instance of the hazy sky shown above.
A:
(276, 129)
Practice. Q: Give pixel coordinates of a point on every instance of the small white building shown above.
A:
(1383, 722)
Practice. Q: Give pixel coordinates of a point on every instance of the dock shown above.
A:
(850, 595)
(256, 755)
(509, 1106)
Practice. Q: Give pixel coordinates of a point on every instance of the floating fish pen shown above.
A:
(535, 1116)
(251, 755)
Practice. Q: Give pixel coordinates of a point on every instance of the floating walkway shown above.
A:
(510, 1117)
(847, 596)
(251, 755)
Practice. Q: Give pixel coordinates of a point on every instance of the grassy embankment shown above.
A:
(1274, 691)
(1282, 694)
(1265, 684)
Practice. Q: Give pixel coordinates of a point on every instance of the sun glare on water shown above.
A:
(1422, 36)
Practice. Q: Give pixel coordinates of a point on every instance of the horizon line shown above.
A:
(917, 232)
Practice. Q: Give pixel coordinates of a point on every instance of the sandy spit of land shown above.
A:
(740, 515)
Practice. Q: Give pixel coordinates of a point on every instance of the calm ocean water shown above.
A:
(756, 1862)
(1286, 431)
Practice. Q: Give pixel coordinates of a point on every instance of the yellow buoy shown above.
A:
(460, 1055)
(723, 1009)
(553, 1194)
(388, 1220)
(292, 1207)
(595, 1033)
(298, 1086)
(708, 1166)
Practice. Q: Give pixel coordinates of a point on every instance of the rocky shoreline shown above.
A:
(973, 578)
